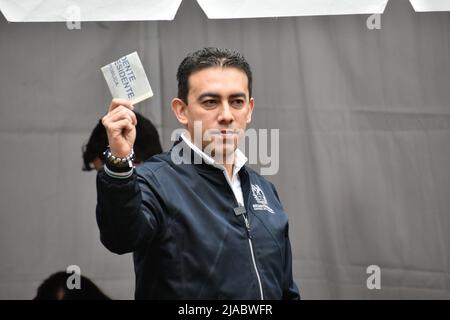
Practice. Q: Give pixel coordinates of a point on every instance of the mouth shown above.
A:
(227, 133)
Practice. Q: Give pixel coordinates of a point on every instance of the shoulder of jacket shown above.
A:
(153, 166)
(256, 176)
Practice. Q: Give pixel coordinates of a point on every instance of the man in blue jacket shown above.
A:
(206, 227)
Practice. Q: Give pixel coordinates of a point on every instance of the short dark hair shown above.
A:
(207, 58)
(55, 287)
(146, 145)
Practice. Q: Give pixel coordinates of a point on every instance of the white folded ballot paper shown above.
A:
(127, 80)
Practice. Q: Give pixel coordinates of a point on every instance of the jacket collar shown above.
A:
(199, 158)
(239, 158)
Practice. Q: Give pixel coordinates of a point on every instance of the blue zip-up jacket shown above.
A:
(189, 236)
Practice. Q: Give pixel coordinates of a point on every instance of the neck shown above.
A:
(229, 168)
(227, 162)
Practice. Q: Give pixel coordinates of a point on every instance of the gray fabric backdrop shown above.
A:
(364, 119)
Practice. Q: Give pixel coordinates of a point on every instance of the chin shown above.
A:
(222, 152)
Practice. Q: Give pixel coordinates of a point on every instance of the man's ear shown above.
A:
(179, 108)
(251, 105)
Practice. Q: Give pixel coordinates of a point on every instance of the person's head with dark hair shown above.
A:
(55, 288)
(146, 145)
(214, 90)
(207, 58)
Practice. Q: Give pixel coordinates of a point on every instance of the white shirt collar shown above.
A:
(239, 160)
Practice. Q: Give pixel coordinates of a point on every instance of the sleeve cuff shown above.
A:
(118, 175)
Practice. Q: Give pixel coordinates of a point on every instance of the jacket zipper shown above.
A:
(249, 236)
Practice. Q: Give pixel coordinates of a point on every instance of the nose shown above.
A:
(225, 115)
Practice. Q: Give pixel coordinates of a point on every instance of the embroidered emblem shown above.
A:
(260, 198)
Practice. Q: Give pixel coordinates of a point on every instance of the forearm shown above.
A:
(119, 204)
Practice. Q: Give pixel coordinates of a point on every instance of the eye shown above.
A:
(210, 103)
(238, 103)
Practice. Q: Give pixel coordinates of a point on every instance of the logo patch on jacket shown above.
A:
(260, 198)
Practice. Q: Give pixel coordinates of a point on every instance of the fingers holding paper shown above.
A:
(120, 124)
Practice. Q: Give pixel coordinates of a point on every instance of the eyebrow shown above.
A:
(217, 96)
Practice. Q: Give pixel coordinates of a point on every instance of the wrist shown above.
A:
(115, 162)
(119, 152)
